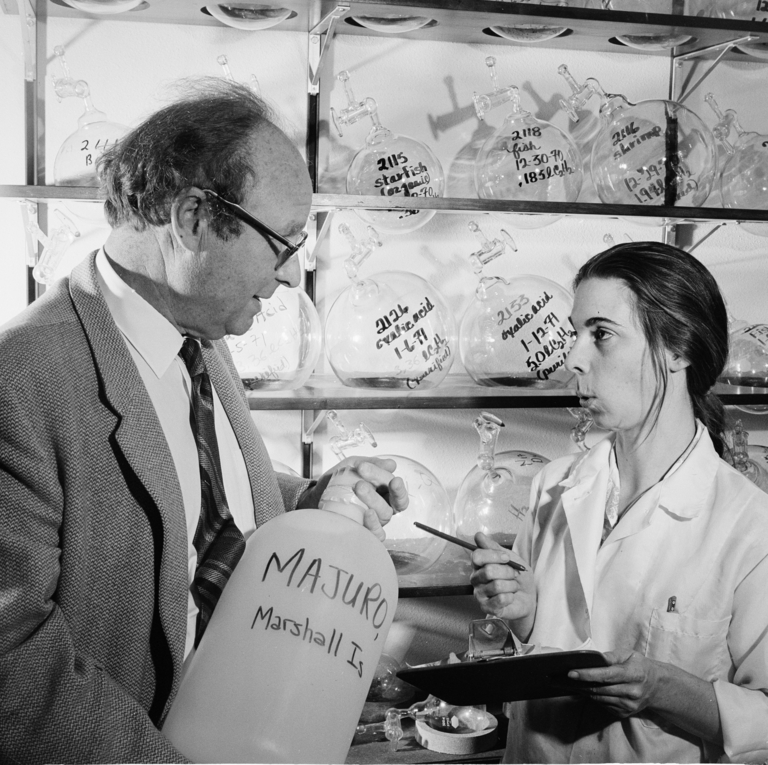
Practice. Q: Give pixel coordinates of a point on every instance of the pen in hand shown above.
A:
(461, 543)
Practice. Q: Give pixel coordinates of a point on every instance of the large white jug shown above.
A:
(283, 669)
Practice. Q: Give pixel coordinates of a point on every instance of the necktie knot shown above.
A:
(192, 356)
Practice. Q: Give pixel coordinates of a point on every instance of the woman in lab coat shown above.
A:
(649, 547)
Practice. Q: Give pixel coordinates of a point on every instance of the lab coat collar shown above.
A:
(683, 494)
(687, 488)
(584, 506)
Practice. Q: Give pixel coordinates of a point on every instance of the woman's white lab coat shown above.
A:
(699, 537)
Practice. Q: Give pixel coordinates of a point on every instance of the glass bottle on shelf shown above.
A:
(392, 23)
(535, 33)
(654, 152)
(743, 10)
(750, 460)
(411, 549)
(281, 349)
(494, 495)
(526, 159)
(249, 16)
(75, 163)
(514, 333)
(744, 177)
(747, 363)
(391, 330)
(105, 7)
(657, 41)
(389, 165)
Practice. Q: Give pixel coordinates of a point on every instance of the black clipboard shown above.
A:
(531, 676)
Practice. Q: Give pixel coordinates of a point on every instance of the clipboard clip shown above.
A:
(490, 638)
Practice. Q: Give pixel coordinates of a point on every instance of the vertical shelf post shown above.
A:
(33, 17)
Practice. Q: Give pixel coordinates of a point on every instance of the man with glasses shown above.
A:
(130, 469)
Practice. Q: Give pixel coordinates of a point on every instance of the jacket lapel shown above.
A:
(140, 437)
(584, 506)
(267, 499)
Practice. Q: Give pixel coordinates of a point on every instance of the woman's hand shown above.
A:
(500, 589)
(633, 683)
(626, 687)
(378, 489)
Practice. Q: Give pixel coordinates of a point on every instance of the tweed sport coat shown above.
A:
(93, 548)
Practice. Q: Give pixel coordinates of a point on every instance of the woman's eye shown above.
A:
(601, 334)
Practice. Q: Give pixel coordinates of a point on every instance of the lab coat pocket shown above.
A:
(696, 645)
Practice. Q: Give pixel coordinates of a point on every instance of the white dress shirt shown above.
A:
(154, 344)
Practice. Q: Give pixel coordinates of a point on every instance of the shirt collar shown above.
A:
(154, 338)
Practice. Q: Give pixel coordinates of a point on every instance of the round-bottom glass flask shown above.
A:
(413, 550)
(393, 165)
(392, 330)
(495, 501)
(747, 363)
(281, 349)
(517, 333)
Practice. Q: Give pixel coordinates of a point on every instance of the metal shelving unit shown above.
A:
(466, 21)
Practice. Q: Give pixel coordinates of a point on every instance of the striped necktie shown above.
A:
(218, 541)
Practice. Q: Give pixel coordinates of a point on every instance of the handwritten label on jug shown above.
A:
(542, 336)
(332, 641)
(325, 581)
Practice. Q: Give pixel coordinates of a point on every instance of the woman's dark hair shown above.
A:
(680, 309)
(201, 140)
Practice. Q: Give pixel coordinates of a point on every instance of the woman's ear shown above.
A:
(676, 363)
(189, 218)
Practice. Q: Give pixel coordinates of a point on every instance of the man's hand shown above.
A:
(379, 489)
(500, 589)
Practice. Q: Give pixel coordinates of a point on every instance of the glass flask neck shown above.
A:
(517, 115)
(91, 114)
(487, 285)
(379, 134)
(611, 103)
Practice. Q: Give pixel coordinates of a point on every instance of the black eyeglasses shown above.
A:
(291, 248)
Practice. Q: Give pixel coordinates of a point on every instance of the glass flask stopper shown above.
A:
(744, 178)
(282, 347)
(392, 330)
(494, 495)
(411, 549)
(55, 243)
(583, 424)
(526, 159)
(389, 165)
(747, 363)
(75, 163)
(653, 152)
(514, 333)
(752, 461)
